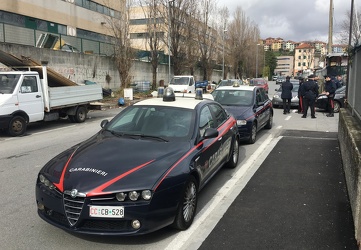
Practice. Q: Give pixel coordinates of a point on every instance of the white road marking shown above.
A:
(213, 211)
(288, 117)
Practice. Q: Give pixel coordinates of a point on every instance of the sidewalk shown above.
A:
(296, 200)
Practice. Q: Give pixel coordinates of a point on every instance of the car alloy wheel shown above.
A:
(187, 206)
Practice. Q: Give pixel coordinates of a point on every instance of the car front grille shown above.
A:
(73, 208)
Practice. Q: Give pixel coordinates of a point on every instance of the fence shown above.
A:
(25, 36)
(353, 85)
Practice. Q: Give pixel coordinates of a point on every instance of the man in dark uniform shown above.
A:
(309, 93)
(286, 95)
(330, 88)
(300, 97)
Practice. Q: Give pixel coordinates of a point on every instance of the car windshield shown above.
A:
(340, 90)
(233, 97)
(153, 121)
(180, 81)
(8, 83)
(230, 82)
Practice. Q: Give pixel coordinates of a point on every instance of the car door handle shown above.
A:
(38, 96)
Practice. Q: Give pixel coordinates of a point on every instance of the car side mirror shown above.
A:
(104, 123)
(210, 133)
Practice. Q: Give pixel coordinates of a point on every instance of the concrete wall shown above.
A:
(349, 137)
(80, 67)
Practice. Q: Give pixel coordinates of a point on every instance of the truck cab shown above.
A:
(183, 84)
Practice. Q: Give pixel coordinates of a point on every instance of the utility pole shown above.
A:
(330, 28)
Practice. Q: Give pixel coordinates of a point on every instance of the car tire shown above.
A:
(269, 122)
(253, 135)
(81, 114)
(187, 207)
(233, 159)
(17, 126)
(336, 107)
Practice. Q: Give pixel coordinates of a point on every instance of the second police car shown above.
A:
(251, 107)
(142, 171)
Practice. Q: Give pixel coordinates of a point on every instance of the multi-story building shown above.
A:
(284, 66)
(71, 25)
(304, 58)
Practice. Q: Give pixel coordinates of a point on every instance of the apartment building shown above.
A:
(70, 25)
(284, 66)
(304, 58)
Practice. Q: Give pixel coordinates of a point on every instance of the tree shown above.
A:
(243, 38)
(152, 15)
(118, 27)
(271, 61)
(207, 37)
(345, 29)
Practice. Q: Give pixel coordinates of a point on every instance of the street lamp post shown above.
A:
(257, 60)
(169, 34)
(224, 30)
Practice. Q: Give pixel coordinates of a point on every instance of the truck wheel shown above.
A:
(17, 126)
(80, 115)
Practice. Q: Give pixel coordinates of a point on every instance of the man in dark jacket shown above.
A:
(330, 88)
(286, 95)
(309, 93)
(300, 97)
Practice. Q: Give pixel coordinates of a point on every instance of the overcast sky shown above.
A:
(295, 20)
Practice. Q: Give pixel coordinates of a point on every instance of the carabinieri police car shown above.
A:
(251, 107)
(142, 171)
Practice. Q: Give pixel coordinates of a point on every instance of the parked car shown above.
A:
(277, 100)
(251, 107)
(230, 82)
(339, 100)
(142, 171)
(280, 79)
(274, 78)
(259, 82)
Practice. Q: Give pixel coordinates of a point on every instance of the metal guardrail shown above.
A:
(25, 36)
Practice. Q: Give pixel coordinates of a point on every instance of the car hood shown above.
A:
(107, 163)
(239, 112)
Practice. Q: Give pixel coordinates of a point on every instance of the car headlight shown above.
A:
(241, 122)
(46, 182)
(276, 97)
(134, 195)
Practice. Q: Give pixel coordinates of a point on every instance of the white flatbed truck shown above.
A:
(25, 97)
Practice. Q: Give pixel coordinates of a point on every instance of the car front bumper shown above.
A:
(152, 215)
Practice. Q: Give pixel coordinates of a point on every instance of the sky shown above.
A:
(296, 20)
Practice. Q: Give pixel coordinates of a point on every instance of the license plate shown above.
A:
(106, 211)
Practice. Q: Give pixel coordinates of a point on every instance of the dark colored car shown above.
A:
(142, 171)
(259, 82)
(277, 100)
(339, 100)
(250, 106)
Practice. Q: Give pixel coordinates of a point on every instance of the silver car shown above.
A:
(277, 100)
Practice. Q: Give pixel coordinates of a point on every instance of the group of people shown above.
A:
(308, 92)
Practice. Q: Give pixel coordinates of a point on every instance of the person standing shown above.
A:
(300, 97)
(330, 88)
(286, 95)
(309, 93)
(338, 82)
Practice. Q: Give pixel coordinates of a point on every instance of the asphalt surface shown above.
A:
(297, 199)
